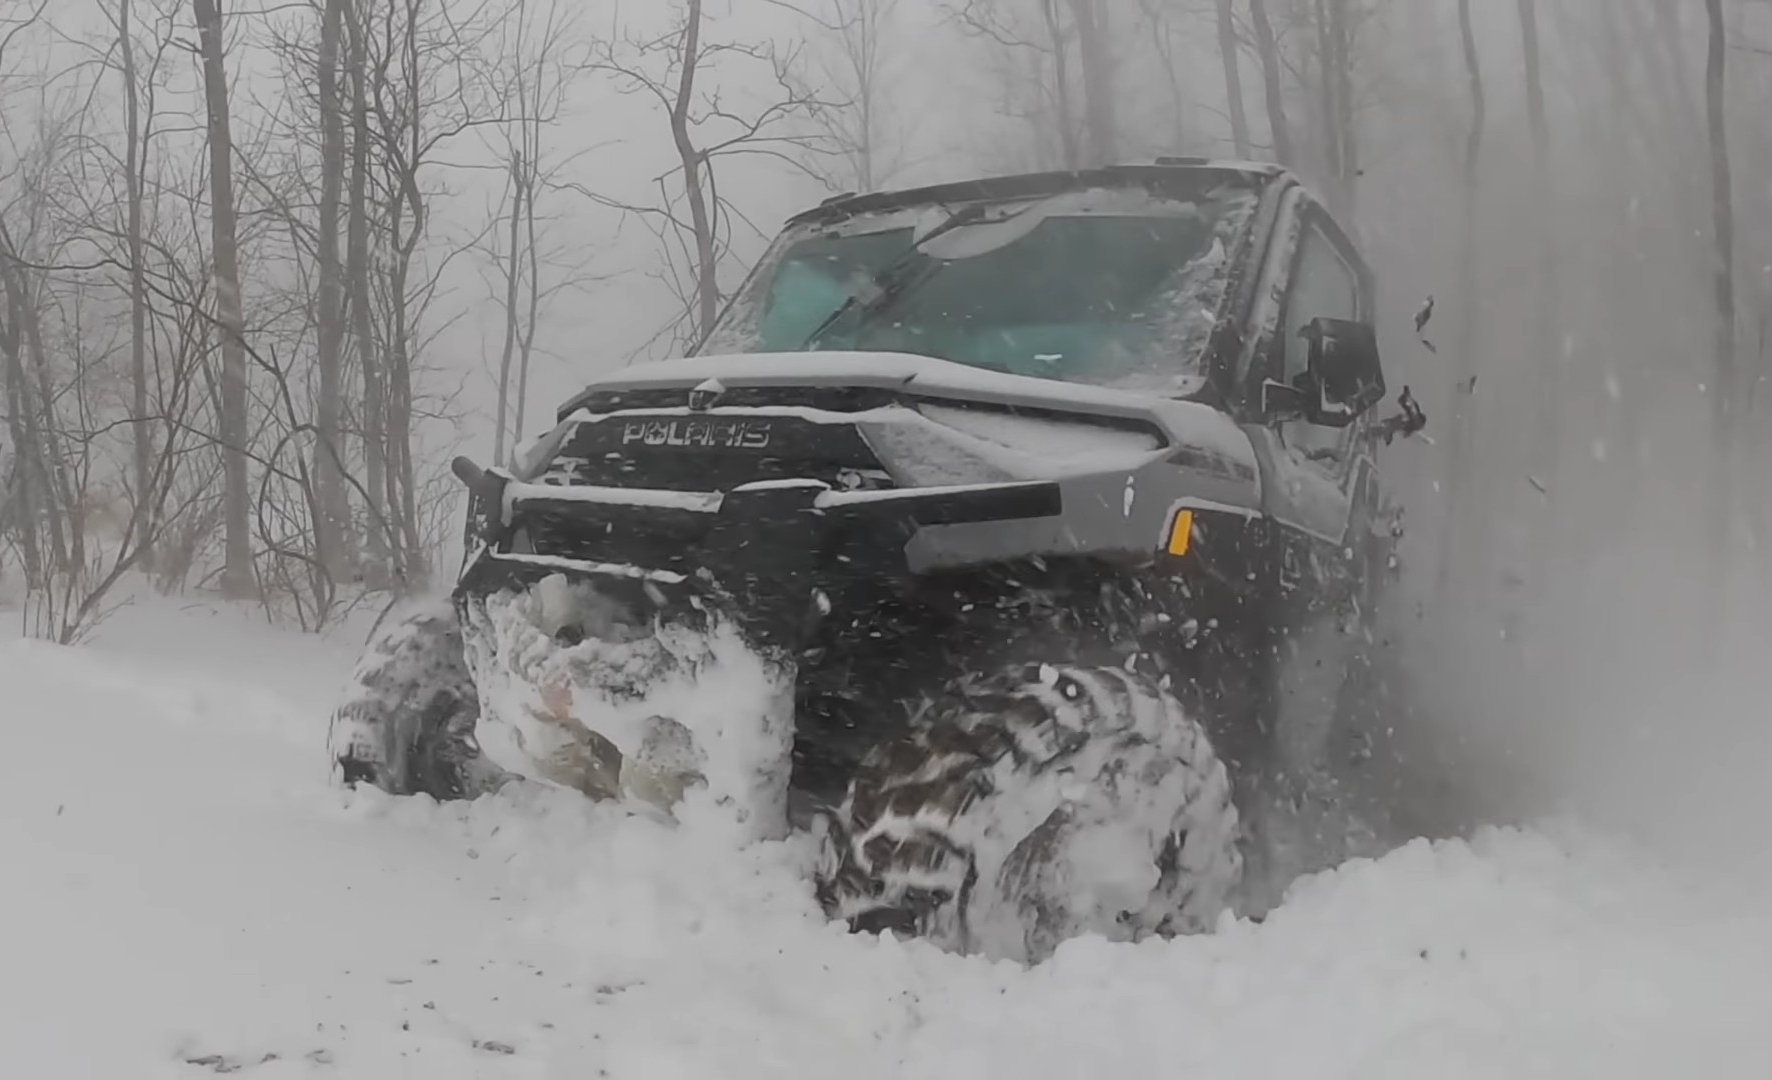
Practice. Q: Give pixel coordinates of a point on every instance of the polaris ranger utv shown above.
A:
(1013, 536)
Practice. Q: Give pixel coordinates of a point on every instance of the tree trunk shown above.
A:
(1093, 41)
(413, 567)
(1233, 78)
(399, 418)
(1669, 34)
(330, 528)
(701, 223)
(403, 497)
(58, 457)
(513, 277)
(375, 469)
(526, 179)
(237, 577)
(526, 343)
(1345, 132)
(1267, 46)
(1457, 487)
(1341, 157)
(53, 491)
(33, 498)
(400, 445)
(142, 519)
(1157, 21)
(1679, 115)
(1723, 228)
(1326, 90)
(866, 54)
(18, 483)
(1061, 86)
(1547, 299)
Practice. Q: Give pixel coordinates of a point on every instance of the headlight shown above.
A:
(935, 445)
(1054, 438)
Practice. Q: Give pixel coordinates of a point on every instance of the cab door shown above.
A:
(1313, 474)
(1315, 481)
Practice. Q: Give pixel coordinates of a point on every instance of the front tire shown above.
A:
(406, 724)
(1034, 805)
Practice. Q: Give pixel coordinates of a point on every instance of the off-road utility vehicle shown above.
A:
(1012, 535)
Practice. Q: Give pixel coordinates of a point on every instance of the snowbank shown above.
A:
(181, 885)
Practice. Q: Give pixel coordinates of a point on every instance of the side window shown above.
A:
(1323, 285)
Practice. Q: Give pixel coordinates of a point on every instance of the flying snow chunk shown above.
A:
(620, 708)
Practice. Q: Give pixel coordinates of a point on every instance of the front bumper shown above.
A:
(770, 554)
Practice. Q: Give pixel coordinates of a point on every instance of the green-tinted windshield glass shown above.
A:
(815, 278)
(1125, 297)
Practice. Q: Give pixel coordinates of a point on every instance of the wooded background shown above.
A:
(267, 265)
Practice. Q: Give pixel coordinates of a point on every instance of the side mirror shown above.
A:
(1343, 377)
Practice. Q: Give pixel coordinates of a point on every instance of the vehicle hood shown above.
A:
(1187, 425)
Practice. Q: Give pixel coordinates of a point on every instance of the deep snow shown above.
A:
(181, 884)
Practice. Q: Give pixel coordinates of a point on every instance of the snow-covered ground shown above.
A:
(182, 893)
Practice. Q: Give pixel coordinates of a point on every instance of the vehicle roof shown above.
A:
(1166, 175)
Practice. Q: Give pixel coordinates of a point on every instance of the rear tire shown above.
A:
(406, 724)
(1034, 805)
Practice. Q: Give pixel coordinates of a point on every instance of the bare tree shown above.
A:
(522, 189)
(1160, 20)
(1100, 89)
(692, 219)
(1546, 338)
(856, 34)
(1336, 31)
(1535, 86)
(540, 77)
(1229, 53)
(79, 526)
(40, 501)
(1722, 394)
(686, 44)
(238, 578)
(75, 600)
(421, 79)
(1068, 42)
(380, 540)
(329, 527)
(138, 301)
(1456, 493)
(1267, 47)
(293, 178)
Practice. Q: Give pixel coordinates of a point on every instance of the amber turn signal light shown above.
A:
(1181, 533)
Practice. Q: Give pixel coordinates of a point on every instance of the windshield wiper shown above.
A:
(896, 277)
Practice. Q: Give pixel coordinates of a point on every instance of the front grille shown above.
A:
(590, 533)
(714, 453)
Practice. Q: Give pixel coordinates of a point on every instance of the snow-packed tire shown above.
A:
(406, 724)
(1033, 805)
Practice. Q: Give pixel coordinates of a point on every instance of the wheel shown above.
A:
(406, 724)
(1033, 805)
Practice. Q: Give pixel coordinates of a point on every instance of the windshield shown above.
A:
(1113, 288)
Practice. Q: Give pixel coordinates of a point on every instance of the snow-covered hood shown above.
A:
(1186, 424)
